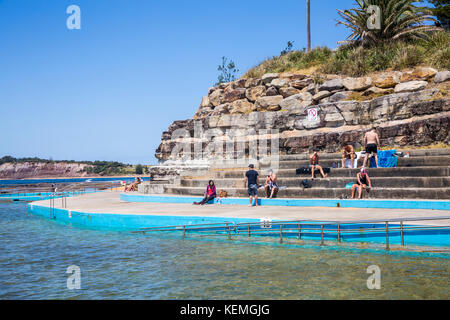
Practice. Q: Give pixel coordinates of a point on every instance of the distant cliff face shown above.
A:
(41, 170)
(409, 108)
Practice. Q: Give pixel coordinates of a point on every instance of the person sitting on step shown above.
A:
(134, 185)
(362, 182)
(210, 193)
(348, 153)
(270, 185)
(314, 164)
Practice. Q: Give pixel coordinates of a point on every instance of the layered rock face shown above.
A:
(41, 170)
(298, 113)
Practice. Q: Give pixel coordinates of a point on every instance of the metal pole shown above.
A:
(248, 230)
(387, 235)
(281, 233)
(401, 233)
(308, 25)
(184, 231)
(53, 207)
(321, 233)
(339, 233)
(229, 233)
(299, 231)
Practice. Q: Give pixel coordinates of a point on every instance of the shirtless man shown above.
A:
(371, 142)
(348, 153)
(271, 185)
(314, 164)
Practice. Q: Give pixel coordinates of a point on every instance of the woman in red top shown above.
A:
(210, 193)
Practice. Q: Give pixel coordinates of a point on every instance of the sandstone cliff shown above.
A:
(41, 170)
(409, 108)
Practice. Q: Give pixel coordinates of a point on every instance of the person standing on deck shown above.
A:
(371, 143)
(252, 180)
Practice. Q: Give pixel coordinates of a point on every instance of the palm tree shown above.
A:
(308, 25)
(399, 19)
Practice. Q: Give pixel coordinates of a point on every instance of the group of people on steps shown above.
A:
(251, 177)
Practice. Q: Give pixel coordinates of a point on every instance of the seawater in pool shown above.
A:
(35, 254)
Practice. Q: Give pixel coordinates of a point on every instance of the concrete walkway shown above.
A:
(109, 202)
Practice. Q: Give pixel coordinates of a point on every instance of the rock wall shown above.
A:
(409, 108)
(41, 170)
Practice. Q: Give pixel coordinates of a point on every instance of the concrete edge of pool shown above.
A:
(135, 222)
(115, 221)
(344, 203)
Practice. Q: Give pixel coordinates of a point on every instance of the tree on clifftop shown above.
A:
(139, 169)
(227, 70)
(442, 12)
(375, 21)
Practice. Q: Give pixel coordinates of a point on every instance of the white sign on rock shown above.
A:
(313, 114)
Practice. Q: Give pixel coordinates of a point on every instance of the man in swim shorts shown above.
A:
(371, 142)
(314, 164)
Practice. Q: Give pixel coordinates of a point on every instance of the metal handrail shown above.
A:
(187, 225)
(304, 227)
(349, 221)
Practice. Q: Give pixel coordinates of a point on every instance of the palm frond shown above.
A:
(398, 19)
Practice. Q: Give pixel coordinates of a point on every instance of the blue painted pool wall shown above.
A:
(123, 221)
(344, 203)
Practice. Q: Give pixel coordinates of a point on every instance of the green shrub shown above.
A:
(139, 169)
(357, 60)
(294, 60)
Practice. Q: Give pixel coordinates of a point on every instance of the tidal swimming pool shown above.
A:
(36, 252)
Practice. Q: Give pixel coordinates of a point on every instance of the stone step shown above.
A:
(413, 153)
(401, 162)
(429, 171)
(382, 182)
(330, 193)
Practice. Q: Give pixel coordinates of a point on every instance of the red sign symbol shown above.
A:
(312, 112)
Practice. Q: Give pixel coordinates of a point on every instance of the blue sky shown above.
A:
(108, 91)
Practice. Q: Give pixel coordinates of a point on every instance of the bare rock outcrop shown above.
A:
(42, 170)
(409, 108)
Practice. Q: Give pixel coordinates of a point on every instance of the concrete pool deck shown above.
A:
(110, 203)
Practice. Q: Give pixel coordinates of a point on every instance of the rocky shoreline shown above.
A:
(42, 170)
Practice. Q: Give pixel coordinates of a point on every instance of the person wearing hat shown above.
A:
(363, 182)
(252, 181)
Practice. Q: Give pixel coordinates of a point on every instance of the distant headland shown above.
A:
(22, 168)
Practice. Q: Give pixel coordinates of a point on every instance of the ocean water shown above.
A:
(4, 182)
(35, 254)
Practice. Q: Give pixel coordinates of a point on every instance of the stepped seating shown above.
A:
(424, 175)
